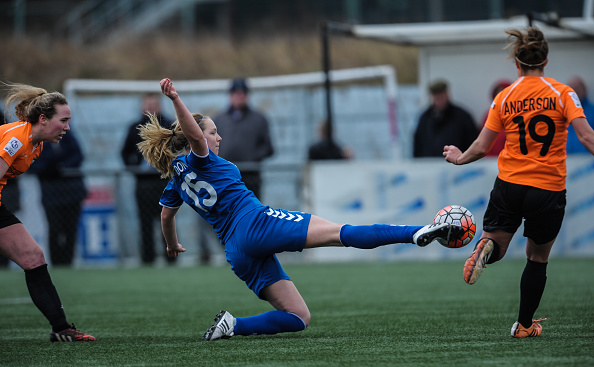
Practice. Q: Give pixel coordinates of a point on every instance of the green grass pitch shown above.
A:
(363, 314)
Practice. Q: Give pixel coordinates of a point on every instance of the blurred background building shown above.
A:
(97, 20)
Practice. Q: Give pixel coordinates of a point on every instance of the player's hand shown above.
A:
(168, 89)
(174, 252)
(451, 153)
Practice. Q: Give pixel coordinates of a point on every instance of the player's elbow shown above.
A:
(587, 140)
(482, 151)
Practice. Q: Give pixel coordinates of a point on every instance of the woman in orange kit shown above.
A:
(43, 117)
(534, 112)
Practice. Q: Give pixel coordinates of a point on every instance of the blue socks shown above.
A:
(271, 322)
(368, 237)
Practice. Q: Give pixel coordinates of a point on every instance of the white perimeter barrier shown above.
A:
(405, 192)
(411, 192)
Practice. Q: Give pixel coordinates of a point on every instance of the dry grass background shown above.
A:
(47, 63)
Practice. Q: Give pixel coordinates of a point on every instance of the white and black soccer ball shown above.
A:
(457, 214)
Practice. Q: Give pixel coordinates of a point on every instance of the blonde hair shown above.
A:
(160, 146)
(529, 48)
(33, 101)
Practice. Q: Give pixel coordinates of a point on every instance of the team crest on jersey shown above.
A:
(13, 146)
(576, 99)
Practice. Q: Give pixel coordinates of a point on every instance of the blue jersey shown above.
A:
(212, 186)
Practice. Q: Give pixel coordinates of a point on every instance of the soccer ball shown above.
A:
(457, 214)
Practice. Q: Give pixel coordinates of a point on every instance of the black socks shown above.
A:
(45, 297)
(532, 287)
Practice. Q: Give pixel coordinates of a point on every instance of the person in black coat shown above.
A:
(326, 147)
(149, 184)
(62, 193)
(443, 123)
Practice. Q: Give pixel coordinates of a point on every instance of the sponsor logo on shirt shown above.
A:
(576, 99)
(13, 146)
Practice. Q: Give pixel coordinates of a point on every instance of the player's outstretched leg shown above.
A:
(442, 232)
(223, 326)
(372, 236)
(475, 264)
(70, 335)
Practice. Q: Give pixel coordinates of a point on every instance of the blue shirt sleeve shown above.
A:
(170, 197)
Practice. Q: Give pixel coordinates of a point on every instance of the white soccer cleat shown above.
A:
(443, 232)
(223, 326)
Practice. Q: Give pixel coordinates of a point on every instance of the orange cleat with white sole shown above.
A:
(474, 265)
(519, 331)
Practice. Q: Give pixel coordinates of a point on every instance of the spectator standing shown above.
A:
(62, 193)
(248, 142)
(149, 184)
(326, 148)
(442, 123)
(247, 135)
(573, 144)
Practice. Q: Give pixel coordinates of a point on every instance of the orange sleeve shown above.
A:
(13, 144)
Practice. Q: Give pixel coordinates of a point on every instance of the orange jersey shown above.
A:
(534, 112)
(16, 149)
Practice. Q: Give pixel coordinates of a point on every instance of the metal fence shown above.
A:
(118, 222)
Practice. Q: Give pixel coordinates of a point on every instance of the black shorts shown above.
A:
(542, 211)
(6, 217)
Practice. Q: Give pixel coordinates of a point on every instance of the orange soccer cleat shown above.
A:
(71, 335)
(474, 265)
(518, 331)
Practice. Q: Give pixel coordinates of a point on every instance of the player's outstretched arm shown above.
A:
(189, 126)
(169, 232)
(584, 133)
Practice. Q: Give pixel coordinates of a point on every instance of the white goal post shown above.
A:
(292, 103)
(364, 104)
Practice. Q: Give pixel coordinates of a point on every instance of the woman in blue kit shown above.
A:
(251, 232)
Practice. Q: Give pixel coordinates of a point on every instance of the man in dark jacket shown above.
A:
(149, 185)
(62, 193)
(443, 123)
(246, 136)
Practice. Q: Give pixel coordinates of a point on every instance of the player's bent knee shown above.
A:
(304, 315)
(306, 318)
(30, 259)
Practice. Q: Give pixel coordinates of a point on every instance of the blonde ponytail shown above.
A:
(32, 101)
(160, 146)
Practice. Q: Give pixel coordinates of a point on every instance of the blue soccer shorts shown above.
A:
(258, 236)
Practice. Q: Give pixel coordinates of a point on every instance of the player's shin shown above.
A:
(372, 236)
(45, 297)
(271, 322)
